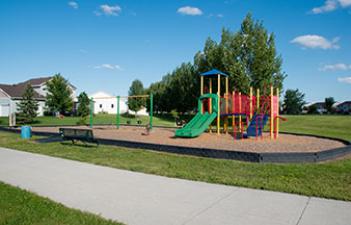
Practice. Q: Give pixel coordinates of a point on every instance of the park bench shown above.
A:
(74, 134)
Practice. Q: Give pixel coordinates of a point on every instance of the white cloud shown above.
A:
(74, 5)
(345, 3)
(346, 80)
(191, 11)
(331, 5)
(316, 41)
(109, 10)
(216, 15)
(108, 66)
(336, 67)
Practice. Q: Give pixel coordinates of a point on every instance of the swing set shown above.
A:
(118, 111)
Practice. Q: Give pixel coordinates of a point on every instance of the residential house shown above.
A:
(344, 107)
(320, 107)
(106, 103)
(11, 95)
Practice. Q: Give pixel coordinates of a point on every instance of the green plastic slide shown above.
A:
(197, 125)
(201, 121)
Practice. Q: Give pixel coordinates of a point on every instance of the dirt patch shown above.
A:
(165, 136)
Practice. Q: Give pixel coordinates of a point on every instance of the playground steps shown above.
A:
(260, 121)
(197, 125)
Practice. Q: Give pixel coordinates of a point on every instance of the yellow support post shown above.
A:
(219, 104)
(271, 109)
(251, 103)
(202, 85)
(277, 131)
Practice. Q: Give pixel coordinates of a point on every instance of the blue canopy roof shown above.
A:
(213, 72)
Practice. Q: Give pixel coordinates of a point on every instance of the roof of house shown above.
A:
(17, 90)
(37, 81)
(318, 104)
(100, 94)
(345, 103)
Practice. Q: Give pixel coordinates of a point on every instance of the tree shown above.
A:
(59, 97)
(293, 102)
(249, 56)
(83, 105)
(135, 104)
(329, 102)
(27, 107)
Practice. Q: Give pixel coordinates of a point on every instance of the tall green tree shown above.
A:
(83, 105)
(59, 97)
(248, 55)
(28, 106)
(293, 102)
(329, 102)
(136, 88)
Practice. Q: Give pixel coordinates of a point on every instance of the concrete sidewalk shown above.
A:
(141, 199)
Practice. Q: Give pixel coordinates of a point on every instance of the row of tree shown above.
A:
(294, 103)
(249, 56)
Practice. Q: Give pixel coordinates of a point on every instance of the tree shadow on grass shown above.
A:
(80, 144)
(54, 139)
(50, 139)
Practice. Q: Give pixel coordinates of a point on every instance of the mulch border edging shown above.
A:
(266, 157)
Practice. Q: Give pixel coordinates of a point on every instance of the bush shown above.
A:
(102, 113)
(174, 114)
(82, 120)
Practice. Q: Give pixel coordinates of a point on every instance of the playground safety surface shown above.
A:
(165, 136)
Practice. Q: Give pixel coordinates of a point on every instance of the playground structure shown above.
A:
(250, 111)
(118, 113)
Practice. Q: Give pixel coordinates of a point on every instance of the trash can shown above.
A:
(26, 132)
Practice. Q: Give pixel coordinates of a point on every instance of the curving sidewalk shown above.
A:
(142, 199)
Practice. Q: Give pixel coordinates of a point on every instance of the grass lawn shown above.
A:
(329, 126)
(22, 207)
(98, 119)
(330, 179)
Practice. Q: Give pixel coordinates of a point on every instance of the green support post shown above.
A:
(151, 109)
(117, 115)
(91, 112)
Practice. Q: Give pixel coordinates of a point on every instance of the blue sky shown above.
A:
(104, 45)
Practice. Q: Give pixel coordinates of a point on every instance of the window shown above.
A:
(112, 106)
(100, 106)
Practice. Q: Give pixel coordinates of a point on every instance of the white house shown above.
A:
(106, 103)
(11, 94)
